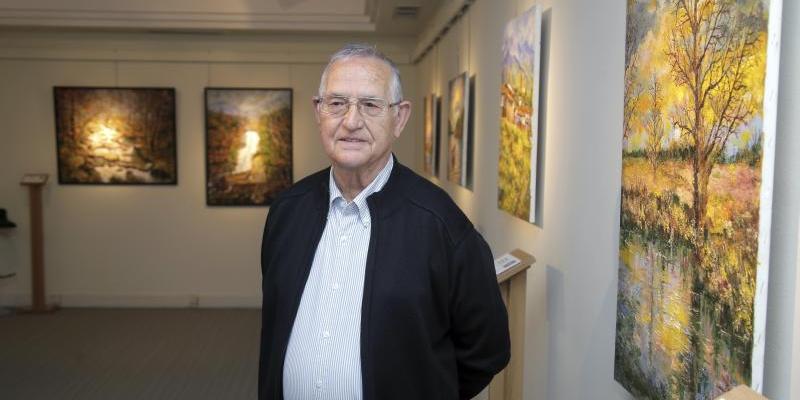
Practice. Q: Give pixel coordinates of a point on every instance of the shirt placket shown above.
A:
(345, 215)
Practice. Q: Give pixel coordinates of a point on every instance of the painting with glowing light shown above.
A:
(115, 135)
(248, 145)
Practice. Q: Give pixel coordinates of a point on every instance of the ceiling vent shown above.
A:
(406, 12)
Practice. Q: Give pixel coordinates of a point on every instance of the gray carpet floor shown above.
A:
(130, 354)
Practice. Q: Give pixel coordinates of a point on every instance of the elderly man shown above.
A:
(376, 286)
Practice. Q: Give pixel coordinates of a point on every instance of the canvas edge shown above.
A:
(466, 126)
(437, 134)
(425, 100)
(765, 200)
(537, 44)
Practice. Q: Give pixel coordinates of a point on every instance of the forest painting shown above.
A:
(457, 130)
(115, 135)
(696, 197)
(248, 145)
(431, 135)
(519, 94)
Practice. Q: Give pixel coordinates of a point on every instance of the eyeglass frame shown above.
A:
(357, 101)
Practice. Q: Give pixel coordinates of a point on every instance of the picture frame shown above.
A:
(115, 135)
(519, 115)
(431, 134)
(248, 145)
(458, 130)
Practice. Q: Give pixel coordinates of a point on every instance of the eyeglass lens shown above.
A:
(338, 106)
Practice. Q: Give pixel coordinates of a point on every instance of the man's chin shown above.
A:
(350, 161)
(355, 162)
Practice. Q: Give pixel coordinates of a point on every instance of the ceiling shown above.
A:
(378, 16)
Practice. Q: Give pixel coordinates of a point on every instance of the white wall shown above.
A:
(794, 375)
(161, 245)
(150, 245)
(783, 315)
(571, 309)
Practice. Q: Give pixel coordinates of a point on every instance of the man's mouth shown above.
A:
(352, 140)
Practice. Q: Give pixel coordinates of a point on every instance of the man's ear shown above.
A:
(315, 105)
(403, 114)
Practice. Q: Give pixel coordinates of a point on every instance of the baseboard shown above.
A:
(137, 300)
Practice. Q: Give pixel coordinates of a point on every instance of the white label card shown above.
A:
(504, 262)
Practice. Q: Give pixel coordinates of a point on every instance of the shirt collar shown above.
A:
(361, 199)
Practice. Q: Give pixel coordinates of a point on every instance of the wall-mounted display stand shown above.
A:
(741, 392)
(512, 270)
(35, 183)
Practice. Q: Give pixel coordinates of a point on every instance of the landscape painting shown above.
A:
(431, 135)
(248, 145)
(115, 135)
(457, 118)
(698, 134)
(519, 103)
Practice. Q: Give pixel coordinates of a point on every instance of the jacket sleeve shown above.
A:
(264, 353)
(479, 318)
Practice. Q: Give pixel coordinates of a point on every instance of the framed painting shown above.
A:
(431, 140)
(248, 145)
(457, 130)
(519, 109)
(115, 135)
(697, 167)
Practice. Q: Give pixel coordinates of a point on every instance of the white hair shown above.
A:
(353, 50)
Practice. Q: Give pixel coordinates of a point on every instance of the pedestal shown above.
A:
(35, 183)
(741, 392)
(507, 385)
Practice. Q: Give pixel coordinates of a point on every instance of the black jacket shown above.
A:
(433, 324)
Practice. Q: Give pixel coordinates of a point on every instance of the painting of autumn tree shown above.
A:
(248, 145)
(692, 244)
(115, 135)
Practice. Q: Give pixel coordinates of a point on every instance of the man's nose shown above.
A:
(352, 118)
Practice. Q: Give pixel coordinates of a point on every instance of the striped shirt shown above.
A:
(323, 360)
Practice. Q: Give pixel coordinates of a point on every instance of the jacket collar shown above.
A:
(382, 203)
(360, 201)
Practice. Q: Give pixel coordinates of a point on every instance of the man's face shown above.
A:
(357, 142)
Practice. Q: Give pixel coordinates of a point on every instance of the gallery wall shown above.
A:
(572, 289)
(150, 245)
(794, 374)
(162, 246)
(782, 358)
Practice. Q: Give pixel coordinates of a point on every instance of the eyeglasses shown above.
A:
(338, 106)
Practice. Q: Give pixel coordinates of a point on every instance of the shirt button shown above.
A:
(326, 334)
(335, 286)
(319, 384)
